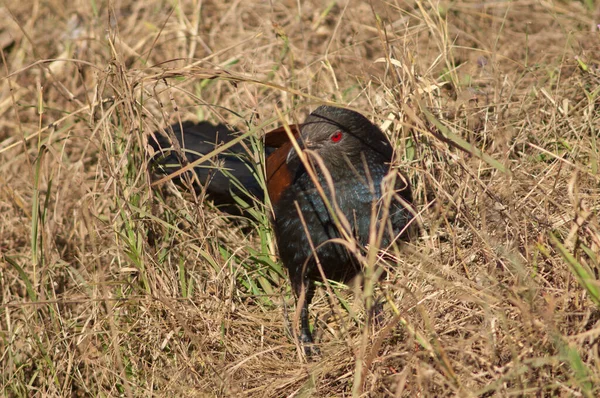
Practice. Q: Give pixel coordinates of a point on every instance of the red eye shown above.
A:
(336, 137)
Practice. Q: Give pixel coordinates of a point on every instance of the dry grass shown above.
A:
(108, 289)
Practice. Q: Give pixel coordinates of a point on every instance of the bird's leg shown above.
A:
(377, 315)
(305, 335)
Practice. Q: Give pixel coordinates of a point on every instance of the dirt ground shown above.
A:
(114, 286)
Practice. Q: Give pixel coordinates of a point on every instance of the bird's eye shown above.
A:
(336, 137)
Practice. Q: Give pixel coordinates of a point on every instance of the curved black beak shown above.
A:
(292, 156)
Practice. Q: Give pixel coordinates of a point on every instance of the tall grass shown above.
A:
(115, 283)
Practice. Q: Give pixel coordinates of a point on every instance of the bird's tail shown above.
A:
(227, 178)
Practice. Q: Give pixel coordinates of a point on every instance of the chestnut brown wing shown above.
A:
(279, 176)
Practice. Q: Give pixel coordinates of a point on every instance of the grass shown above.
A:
(112, 285)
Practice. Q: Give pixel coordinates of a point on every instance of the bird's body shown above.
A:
(348, 158)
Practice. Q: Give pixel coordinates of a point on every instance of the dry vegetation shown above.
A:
(110, 286)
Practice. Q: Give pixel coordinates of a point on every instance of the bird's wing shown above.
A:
(277, 146)
(198, 139)
(279, 137)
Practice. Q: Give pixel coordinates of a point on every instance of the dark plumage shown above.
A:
(356, 155)
(199, 139)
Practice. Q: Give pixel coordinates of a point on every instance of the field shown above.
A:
(113, 283)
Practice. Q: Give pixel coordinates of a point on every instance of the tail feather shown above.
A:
(198, 139)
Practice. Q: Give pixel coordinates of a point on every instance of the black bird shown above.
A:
(342, 147)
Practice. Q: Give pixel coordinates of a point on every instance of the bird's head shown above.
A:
(342, 138)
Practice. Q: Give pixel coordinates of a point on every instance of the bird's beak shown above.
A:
(292, 156)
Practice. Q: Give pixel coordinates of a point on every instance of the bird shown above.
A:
(325, 187)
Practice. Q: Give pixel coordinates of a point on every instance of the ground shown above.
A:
(115, 283)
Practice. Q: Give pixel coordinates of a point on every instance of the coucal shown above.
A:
(333, 191)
